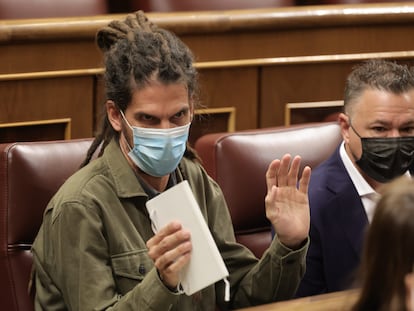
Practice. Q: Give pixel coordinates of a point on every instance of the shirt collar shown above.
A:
(125, 180)
(150, 191)
(361, 185)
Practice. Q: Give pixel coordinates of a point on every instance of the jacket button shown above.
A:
(141, 269)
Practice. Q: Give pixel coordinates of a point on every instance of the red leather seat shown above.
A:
(30, 173)
(238, 162)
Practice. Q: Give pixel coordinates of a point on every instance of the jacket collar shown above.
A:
(351, 213)
(125, 181)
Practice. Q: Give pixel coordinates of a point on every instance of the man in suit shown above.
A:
(377, 126)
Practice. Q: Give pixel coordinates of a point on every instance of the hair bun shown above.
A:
(116, 30)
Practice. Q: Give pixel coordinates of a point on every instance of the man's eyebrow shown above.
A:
(184, 109)
(140, 114)
(388, 123)
(408, 123)
(379, 122)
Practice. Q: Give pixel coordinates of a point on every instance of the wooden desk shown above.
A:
(338, 301)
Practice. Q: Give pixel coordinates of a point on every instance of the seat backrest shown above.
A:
(238, 162)
(30, 174)
(15, 9)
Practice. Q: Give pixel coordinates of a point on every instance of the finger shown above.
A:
(271, 174)
(168, 243)
(183, 260)
(167, 262)
(304, 180)
(165, 231)
(172, 262)
(282, 174)
(292, 177)
(170, 275)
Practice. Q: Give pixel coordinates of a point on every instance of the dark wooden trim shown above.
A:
(215, 22)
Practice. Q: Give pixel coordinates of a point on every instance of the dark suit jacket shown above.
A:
(338, 223)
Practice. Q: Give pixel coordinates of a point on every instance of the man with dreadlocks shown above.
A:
(96, 249)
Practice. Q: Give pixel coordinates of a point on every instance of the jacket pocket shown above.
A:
(130, 268)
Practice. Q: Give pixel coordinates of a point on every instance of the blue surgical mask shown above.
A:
(157, 152)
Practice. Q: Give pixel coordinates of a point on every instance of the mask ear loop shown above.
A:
(126, 121)
(352, 127)
(126, 141)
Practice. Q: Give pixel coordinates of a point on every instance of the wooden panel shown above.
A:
(212, 120)
(46, 56)
(49, 98)
(225, 85)
(99, 110)
(299, 83)
(35, 130)
(225, 35)
(323, 111)
(308, 80)
(226, 113)
(253, 60)
(336, 301)
(294, 41)
(281, 80)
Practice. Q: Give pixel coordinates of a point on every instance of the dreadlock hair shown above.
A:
(136, 51)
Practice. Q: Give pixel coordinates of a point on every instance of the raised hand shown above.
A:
(287, 204)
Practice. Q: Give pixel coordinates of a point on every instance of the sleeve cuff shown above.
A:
(284, 252)
(161, 295)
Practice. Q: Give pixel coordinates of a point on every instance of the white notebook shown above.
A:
(206, 265)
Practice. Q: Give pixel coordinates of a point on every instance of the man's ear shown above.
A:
(344, 123)
(114, 115)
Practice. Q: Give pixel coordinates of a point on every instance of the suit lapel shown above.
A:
(351, 213)
(353, 219)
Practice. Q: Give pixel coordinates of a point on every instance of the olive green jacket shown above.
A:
(90, 252)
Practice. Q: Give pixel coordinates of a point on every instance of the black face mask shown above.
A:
(386, 158)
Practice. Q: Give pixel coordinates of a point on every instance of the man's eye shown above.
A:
(408, 130)
(379, 129)
(179, 115)
(146, 117)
